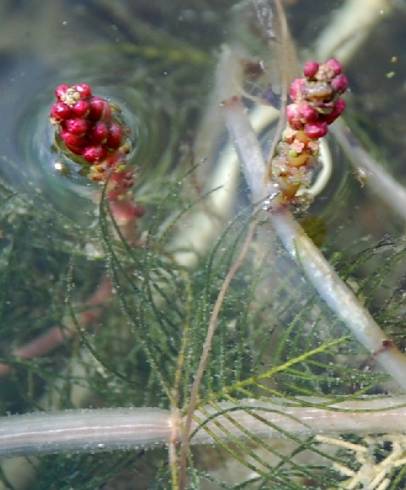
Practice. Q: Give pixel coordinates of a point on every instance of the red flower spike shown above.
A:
(84, 90)
(94, 154)
(61, 90)
(60, 111)
(310, 69)
(77, 126)
(81, 108)
(87, 127)
(315, 105)
(115, 136)
(99, 133)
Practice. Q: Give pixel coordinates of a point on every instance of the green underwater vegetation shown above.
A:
(207, 315)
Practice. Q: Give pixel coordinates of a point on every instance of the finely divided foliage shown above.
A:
(259, 380)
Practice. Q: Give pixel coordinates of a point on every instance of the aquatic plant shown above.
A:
(90, 129)
(316, 103)
(256, 351)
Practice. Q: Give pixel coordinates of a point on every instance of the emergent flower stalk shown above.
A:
(316, 103)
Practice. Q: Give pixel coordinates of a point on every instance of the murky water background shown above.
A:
(136, 54)
(156, 59)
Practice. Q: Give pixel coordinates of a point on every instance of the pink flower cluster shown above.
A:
(316, 103)
(88, 128)
(86, 124)
(316, 100)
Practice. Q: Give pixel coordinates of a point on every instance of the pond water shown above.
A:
(157, 61)
(142, 64)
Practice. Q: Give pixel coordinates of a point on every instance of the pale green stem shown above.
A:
(341, 300)
(349, 28)
(132, 428)
(276, 419)
(84, 430)
(375, 176)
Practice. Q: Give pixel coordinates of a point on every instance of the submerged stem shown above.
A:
(377, 179)
(366, 416)
(84, 430)
(285, 54)
(57, 335)
(131, 428)
(319, 272)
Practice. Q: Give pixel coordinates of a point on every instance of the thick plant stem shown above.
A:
(339, 297)
(286, 53)
(376, 178)
(57, 335)
(319, 272)
(274, 420)
(246, 144)
(132, 428)
(84, 430)
(349, 27)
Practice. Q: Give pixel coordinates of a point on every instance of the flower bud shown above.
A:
(84, 90)
(60, 90)
(81, 108)
(74, 142)
(316, 130)
(115, 136)
(77, 126)
(99, 109)
(337, 110)
(94, 153)
(334, 65)
(308, 113)
(60, 111)
(99, 132)
(310, 69)
(296, 89)
(339, 83)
